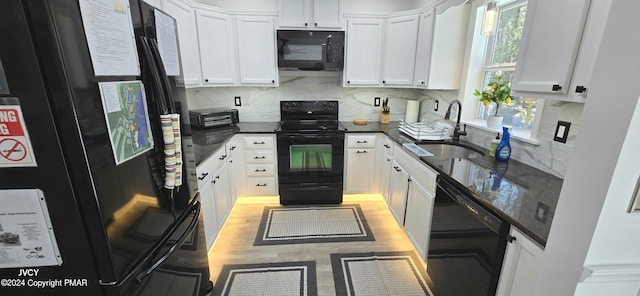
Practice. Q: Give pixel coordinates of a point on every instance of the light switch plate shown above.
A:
(376, 102)
(237, 101)
(562, 131)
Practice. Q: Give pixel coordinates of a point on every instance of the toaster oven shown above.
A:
(206, 118)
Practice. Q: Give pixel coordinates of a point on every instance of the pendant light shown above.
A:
(490, 18)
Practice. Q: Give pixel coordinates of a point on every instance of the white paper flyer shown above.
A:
(26, 234)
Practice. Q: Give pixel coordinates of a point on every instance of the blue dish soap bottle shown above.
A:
(503, 151)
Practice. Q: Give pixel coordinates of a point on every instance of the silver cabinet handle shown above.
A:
(261, 185)
(361, 142)
(260, 157)
(364, 151)
(261, 170)
(258, 143)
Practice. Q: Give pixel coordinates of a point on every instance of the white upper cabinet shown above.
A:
(400, 50)
(217, 51)
(310, 14)
(257, 50)
(441, 45)
(364, 46)
(550, 41)
(188, 39)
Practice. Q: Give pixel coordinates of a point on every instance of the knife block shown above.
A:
(384, 117)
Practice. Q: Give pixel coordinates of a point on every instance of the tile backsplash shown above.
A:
(262, 104)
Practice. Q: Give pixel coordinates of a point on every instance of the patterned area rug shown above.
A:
(379, 273)
(282, 278)
(315, 224)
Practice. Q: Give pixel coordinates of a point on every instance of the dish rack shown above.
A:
(428, 131)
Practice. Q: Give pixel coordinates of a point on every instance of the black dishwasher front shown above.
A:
(467, 245)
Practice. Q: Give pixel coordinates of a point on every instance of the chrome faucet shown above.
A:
(456, 130)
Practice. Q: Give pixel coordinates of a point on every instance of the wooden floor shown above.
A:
(234, 244)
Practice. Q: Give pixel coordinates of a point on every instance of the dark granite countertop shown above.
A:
(524, 196)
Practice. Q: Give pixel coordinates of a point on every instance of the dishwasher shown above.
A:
(466, 246)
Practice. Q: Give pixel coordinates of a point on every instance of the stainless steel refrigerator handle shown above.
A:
(178, 243)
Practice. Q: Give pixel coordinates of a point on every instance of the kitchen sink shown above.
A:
(452, 150)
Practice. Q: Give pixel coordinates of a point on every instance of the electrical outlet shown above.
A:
(562, 131)
(376, 102)
(436, 105)
(237, 101)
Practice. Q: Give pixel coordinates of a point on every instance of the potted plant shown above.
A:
(497, 91)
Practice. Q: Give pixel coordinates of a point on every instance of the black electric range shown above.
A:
(310, 153)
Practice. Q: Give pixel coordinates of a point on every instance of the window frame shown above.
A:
(479, 63)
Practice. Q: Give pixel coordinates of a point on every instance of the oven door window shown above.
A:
(310, 157)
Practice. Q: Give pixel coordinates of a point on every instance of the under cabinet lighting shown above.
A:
(490, 18)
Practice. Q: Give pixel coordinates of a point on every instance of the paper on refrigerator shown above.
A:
(26, 235)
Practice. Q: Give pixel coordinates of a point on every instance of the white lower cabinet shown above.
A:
(398, 192)
(360, 162)
(412, 194)
(520, 267)
(208, 206)
(214, 212)
(259, 170)
(417, 221)
(220, 181)
(385, 175)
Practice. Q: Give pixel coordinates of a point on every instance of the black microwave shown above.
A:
(310, 50)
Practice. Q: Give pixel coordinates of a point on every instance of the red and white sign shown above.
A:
(15, 146)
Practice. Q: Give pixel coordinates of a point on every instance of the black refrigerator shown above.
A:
(118, 229)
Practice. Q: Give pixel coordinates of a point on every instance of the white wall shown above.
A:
(590, 176)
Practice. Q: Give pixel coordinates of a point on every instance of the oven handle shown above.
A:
(310, 136)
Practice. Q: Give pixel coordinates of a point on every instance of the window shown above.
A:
(500, 55)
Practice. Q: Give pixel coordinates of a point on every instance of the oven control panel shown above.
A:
(305, 106)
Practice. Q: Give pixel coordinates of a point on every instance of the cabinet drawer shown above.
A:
(387, 145)
(261, 186)
(361, 141)
(206, 168)
(251, 142)
(233, 145)
(259, 170)
(259, 156)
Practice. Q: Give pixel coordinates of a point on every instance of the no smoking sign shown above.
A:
(15, 146)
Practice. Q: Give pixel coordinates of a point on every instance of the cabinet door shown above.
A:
(209, 216)
(386, 177)
(294, 13)
(360, 164)
(257, 50)
(188, 39)
(417, 221)
(447, 46)
(548, 49)
(520, 267)
(327, 14)
(400, 42)
(364, 39)
(218, 60)
(423, 55)
(220, 186)
(398, 192)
